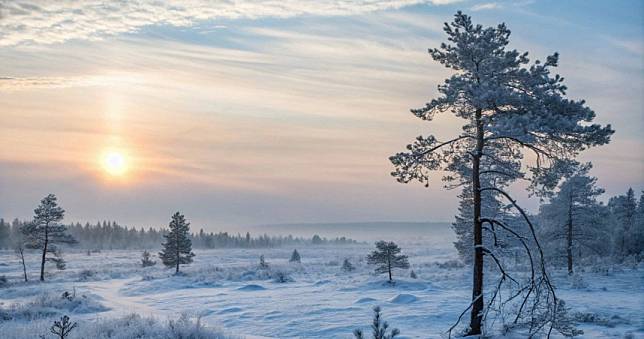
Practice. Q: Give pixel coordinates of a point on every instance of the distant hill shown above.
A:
(367, 231)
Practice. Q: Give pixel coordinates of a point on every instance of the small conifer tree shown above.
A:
(62, 328)
(46, 231)
(379, 328)
(177, 249)
(295, 257)
(145, 259)
(387, 257)
(262, 263)
(347, 266)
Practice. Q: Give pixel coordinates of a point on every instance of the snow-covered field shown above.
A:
(227, 291)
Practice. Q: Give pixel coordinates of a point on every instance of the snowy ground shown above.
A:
(227, 290)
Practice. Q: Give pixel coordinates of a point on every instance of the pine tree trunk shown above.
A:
(177, 246)
(24, 267)
(44, 253)
(476, 315)
(569, 236)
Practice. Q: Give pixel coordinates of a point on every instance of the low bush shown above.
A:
(127, 327)
(50, 304)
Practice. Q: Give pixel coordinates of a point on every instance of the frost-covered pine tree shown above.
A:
(45, 232)
(386, 257)
(5, 235)
(491, 206)
(295, 257)
(573, 218)
(379, 328)
(177, 249)
(638, 235)
(623, 209)
(508, 107)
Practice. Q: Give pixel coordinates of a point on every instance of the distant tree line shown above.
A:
(46, 233)
(108, 235)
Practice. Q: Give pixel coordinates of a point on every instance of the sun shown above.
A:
(114, 163)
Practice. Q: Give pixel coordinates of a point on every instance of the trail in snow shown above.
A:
(119, 304)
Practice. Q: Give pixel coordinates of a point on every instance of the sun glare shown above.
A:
(114, 163)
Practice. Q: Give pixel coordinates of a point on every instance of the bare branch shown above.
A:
(441, 145)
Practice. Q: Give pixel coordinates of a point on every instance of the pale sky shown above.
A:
(240, 113)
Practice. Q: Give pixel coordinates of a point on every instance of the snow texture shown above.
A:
(229, 295)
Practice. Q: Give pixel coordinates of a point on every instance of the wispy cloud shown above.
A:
(11, 83)
(15, 83)
(241, 114)
(277, 91)
(485, 6)
(633, 46)
(47, 22)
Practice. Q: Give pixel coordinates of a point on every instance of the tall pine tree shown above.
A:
(177, 249)
(46, 231)
(638, 234)
(508, 107)
(623, 209)
(573, 218)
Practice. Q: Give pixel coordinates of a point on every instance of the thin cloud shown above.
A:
(20, 83)
(47, 22)
(10, 83)
(485, 6)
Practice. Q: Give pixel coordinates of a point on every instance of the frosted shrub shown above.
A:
(127, 327)
(631, 261)
(347, 266)
(86, 274)
(3, 281)
(51, 304)
(147, 277)
(564, 323)
(146, 261)
(281, 277)
(262, 263)
(450, 264)
(597, 319)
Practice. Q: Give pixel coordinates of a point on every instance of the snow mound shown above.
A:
(251, 287)
(322, 282)
(50, 303)
(403, 299)
(412, 285)
(401, 285)
(364, 300)
(230, 310)
(155, 285)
